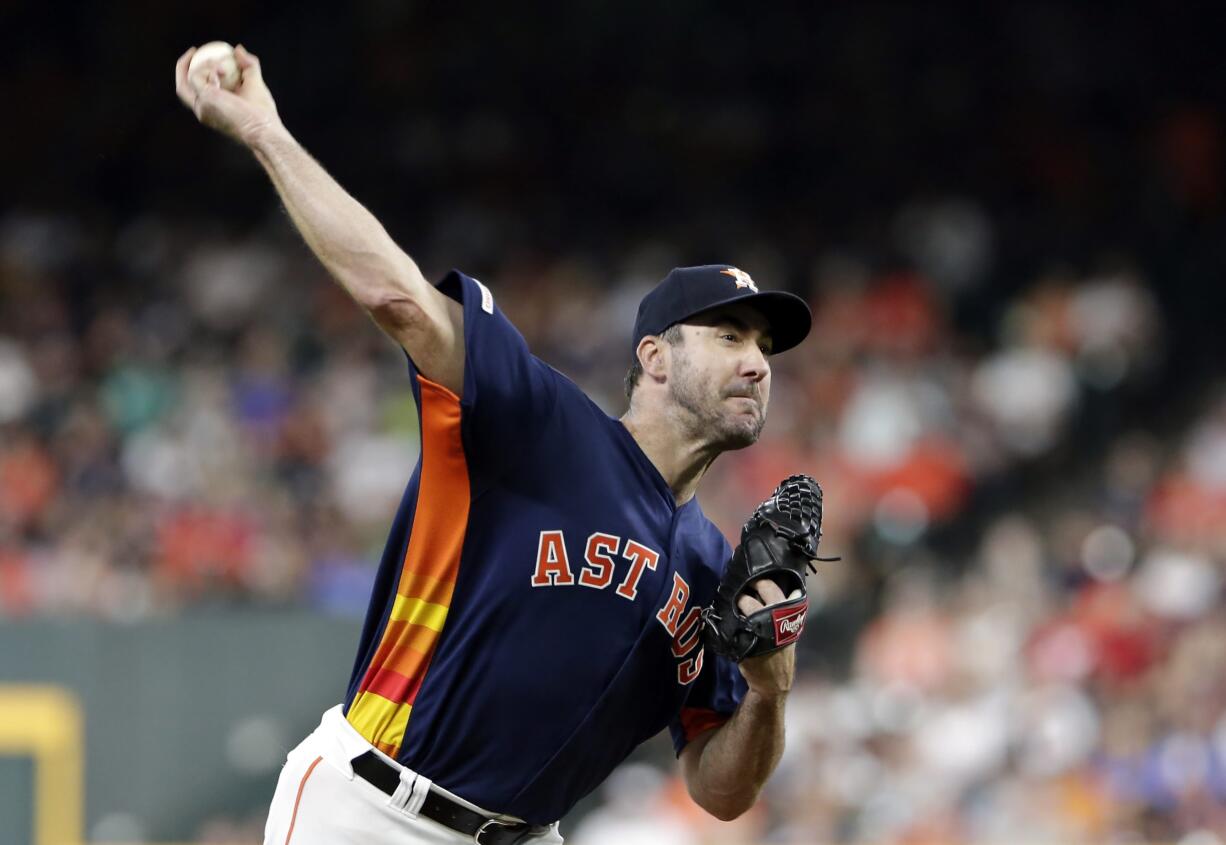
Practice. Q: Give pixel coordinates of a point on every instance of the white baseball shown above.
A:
(216, 55)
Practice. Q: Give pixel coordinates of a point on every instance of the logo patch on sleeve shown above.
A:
(789, 622)
(487, 298)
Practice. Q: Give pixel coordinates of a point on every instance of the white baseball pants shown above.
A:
(319, 800)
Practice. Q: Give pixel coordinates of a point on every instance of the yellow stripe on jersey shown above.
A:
(417, 612)
(374, 715)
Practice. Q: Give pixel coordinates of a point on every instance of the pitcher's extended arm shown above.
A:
(347, 239)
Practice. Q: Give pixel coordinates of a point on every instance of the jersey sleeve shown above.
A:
(508, 392)
(713, 698)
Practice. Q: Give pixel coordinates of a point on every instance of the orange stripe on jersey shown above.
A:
(400, 637)
(380, 710)
(409, 663)
(388, 748)
(699, 720)
(424, 587)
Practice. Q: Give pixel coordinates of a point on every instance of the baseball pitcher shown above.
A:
(551, 594)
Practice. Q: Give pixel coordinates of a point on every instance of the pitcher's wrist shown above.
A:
(264, 136)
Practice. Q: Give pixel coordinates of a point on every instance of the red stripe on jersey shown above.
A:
(393, 686)
(699, 720)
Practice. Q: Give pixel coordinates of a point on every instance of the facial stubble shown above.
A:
(706, 415)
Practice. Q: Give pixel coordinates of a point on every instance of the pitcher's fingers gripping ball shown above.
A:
(241, 111)
(214, 57)
(778, 543)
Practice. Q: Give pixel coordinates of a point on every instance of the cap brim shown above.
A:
(787, 315)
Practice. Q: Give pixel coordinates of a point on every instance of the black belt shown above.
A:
(484, 830)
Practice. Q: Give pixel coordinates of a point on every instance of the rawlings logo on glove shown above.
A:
(779, 542)
(789, 622)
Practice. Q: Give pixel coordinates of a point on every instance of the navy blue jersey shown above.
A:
(536, 611)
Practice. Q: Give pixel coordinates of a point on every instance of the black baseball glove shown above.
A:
(779, 542)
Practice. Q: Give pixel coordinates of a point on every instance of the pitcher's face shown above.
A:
(720, 375)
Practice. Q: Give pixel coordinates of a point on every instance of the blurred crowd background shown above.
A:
(1010, 223)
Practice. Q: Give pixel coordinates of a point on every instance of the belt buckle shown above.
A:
(481, 831)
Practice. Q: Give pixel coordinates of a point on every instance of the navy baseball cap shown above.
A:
(688, 291)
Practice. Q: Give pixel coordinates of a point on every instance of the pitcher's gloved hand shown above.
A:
(779, 542)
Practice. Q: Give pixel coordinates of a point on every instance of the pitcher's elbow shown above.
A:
(726, 808)
(395, 310)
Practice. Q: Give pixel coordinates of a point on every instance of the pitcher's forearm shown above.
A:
(736, 761)
(351, 244)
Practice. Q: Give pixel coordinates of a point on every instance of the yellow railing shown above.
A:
(44, 722)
